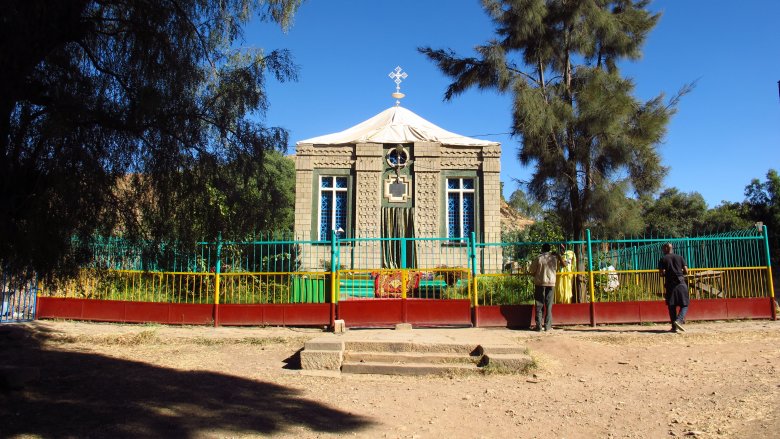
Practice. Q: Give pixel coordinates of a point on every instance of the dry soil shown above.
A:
(717, 380)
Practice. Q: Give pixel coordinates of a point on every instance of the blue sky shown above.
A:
(725, 133)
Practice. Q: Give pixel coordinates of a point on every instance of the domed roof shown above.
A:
(395, 125)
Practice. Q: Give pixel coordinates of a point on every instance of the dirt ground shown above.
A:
(718, 379)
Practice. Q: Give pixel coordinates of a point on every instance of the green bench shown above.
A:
(356, 287)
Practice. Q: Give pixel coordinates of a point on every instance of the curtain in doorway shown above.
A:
(397, 222)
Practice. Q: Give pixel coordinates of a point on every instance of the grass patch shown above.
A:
(251, 341)
(131, 339)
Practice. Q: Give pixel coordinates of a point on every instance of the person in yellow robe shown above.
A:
(563, 283)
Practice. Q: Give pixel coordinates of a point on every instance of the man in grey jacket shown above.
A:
(543, 268)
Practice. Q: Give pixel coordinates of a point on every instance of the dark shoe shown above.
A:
(678, 326)
(537, 329)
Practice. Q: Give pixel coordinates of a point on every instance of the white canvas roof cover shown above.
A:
(395, 125)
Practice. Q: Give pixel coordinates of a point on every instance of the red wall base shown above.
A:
(185, 314)
(300, 314)
(388, 312)
(521, 316)
(419, 312)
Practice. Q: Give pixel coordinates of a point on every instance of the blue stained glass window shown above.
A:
(325, 216)
(341, 211)
(468, 214)
(333, 206)
(461, 204)
(453, 216)
(396, 158)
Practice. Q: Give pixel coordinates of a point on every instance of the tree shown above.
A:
(763, 200)
(763, 204)
(675, 214)
(727, 216)
(237, 199)
(581, 128)
(520, 202)
(93, 90)
(619, 215)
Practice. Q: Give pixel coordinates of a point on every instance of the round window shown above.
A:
(397, 157)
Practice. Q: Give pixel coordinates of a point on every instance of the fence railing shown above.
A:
(17, 298)
(285, 271)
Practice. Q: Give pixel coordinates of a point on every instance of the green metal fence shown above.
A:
(282, 269)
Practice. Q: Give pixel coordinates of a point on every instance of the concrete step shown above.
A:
(399, 357)
(407, 368)
(410, 358)
(406, 346)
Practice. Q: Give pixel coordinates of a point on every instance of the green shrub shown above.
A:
(506, 290)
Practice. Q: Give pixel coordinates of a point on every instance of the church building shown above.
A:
(397, 175)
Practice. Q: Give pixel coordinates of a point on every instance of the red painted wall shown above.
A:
(388, 312)
(521, 316)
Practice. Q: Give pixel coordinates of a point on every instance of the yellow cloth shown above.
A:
(563, 284)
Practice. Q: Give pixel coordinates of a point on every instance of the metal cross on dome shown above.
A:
(397, 76)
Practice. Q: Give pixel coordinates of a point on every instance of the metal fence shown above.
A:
(17, 298)
(283, 270)
(727, 265)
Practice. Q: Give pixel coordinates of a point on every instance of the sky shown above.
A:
(726, 131)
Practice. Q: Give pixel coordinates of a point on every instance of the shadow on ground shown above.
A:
(87, 395)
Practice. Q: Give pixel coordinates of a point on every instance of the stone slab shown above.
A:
(324, 344)
(321, 360)
(508, 362)
(407, 369)
(490, 349)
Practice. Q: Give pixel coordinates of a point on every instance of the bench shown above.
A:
(706, 282)
(362, 286)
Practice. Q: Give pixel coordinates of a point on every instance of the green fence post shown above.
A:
(334, 254)
(217, 270)
(404, 274)
(473, 266)
(769, 274)
(591, 285)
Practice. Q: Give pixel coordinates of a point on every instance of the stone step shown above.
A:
(513, 363)
(410, 357)
(492, 349)
(405, 346)
(407, 368)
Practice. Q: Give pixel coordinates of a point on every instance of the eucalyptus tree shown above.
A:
(580, 126)
(96, 90)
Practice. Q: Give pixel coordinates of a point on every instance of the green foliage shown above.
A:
(506, 290)
(619, 216)
(726, 217)
(763, 200)
(581, 128)
(675, 214)
(527, 243)
(238, 198)
(763, 204)
(99, 98)
(528, 208)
